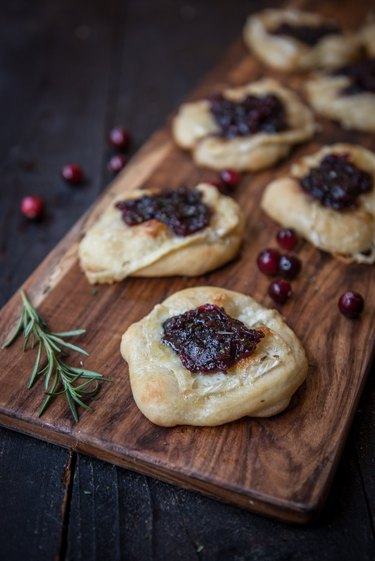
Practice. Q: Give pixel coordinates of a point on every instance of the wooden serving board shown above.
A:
(281, 466)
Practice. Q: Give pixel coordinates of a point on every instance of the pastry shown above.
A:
(329, 198)
(347, 96)
(291, 40)
(150, 233)
(245, 128)
(206, 356)
(367, 36)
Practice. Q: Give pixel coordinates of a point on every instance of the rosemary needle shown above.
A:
(77, 384)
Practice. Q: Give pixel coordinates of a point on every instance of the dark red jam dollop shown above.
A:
(337, 183)
(207, 340)
(253, 114)
(361, 75)
(181, 209)
(307, 34)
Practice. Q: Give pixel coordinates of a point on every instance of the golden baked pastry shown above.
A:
(291, 40)
(348, 232)
(367, 36)
(259, 385)
(289, 122)
(112, 250)
(346, 96)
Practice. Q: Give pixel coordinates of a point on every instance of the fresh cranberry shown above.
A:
(351, 304)
(280, 291)
(116, 163)
(32, 207)
(230, 177)
(72, 173)
(287, 238)
(119, 138)
(289, 266)
(268, 261)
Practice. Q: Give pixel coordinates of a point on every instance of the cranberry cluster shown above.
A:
(182, 210)
(263, 113)
(271, 262)
(361, 75)
(207, 340)
(307, 34)
(336, 182)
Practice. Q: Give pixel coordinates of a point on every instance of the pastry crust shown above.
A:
(259, 386)
(287, 53)
(348, 235)
(111, 250)
(351, 111)
(194, 128)
(367, 36)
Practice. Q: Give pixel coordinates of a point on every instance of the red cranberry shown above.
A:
(230, 177)
(32, 207)
(289, 266)
(72, 173)
(116, 163)
(119, 138)
(351, 304)
(287, 238)
(268, 261)
(280, 291)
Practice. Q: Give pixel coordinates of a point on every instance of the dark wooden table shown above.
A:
(69, 71)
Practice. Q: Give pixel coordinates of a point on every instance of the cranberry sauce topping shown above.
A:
(362, 77)
(337, 183)
(253, 114)
(207, 340)
(182, 210)
(307, 34)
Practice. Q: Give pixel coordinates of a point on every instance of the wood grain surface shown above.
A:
(281, 466)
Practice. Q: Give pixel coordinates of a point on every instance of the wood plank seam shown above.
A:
(69, 473)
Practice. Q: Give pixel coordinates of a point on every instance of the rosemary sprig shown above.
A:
(77, 384)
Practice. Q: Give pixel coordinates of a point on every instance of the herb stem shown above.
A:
(77, 384)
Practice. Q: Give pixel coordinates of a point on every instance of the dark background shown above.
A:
(69, 71)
